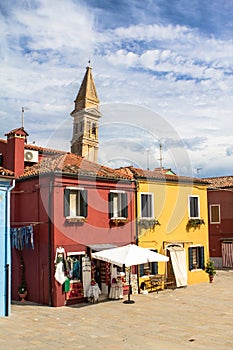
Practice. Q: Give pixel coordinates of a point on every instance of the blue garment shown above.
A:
(22, 237)
(76, 269)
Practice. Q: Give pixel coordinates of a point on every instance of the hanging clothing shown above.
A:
(60, 255)
(59, 273)
(94, 292)
(22, 237)
(76, 269)
(66, 285)
(86, 274)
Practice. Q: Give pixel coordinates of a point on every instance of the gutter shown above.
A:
(8, 254)
(50, 240)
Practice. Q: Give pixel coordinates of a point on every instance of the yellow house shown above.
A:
(172, 220)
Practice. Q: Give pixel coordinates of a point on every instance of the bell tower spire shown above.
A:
(86, 119)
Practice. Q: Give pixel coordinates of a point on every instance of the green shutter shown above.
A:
(190, 250)
(110, 204)
(124, 199)
(83, 203)
(141, 270)
(202, 258)
(66, 202)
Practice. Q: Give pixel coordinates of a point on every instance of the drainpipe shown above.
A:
(136, 226)
(136, 210)
(8, 254)
(50, 240)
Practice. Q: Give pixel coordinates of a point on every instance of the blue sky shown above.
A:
(162, 69)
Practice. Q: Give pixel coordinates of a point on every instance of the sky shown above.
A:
(162, 70)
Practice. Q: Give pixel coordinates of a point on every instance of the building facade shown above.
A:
(173, 220)
(220, 203)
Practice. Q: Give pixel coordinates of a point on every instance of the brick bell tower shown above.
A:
(86, 116)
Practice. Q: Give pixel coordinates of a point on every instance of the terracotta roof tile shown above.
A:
(157, 174)
(43, 149)
(19, 131)
(70, 163)
(220, 182)
(6, 172)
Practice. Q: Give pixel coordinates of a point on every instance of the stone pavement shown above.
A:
(196, 317)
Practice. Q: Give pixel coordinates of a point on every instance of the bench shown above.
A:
(158, 282)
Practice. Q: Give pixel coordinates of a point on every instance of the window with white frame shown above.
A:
(75, 202)
(194, 207)
(147, 205)
(118, 204)
(215, 214)
(196, 257)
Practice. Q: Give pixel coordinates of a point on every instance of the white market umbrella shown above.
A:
(129, 255)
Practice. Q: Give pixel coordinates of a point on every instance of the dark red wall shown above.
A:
(31, 203)
(217, 232)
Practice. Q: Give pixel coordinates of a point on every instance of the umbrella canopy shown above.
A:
(129, 255)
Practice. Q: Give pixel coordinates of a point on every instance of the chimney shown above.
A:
(16, 140)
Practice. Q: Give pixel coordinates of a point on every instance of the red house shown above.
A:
(64, 206)
(220, 201)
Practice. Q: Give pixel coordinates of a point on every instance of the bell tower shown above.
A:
(86, 116)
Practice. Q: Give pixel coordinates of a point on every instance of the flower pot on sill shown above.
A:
(23, 296)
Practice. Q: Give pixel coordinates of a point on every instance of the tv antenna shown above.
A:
(198, 171)
(23, 109)
(147, 159)
(160, 155)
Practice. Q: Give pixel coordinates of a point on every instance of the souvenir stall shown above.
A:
(73, 272)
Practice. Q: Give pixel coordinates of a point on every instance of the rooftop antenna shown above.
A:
(147, 159)
(160, 155)
(198, 171)
(23, 109)
(22, 117)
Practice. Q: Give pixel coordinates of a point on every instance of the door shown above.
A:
(178, 264)
(227, 254)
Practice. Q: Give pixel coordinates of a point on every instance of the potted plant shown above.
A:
(194, 224)
(22, 289)
(210, 269)
(148, 223)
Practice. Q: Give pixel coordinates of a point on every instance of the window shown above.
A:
(94, 129)
(215, 214)
(147, 209)
(196, 258)
(118, 205)
(149, 268)
(88, 130)
(75, 202)
(194, 207)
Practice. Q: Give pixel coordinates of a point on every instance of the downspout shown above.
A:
(8, 254)
(136, 226)
(136, 210)
(50, 241)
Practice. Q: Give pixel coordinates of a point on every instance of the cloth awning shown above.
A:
(129, 255)
(103, 246)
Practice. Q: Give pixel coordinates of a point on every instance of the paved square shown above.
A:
(196, 317)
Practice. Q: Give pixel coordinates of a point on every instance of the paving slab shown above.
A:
(197, 317)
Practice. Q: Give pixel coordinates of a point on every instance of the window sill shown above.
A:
(76, 219)
(196, 270)
(117, 221)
